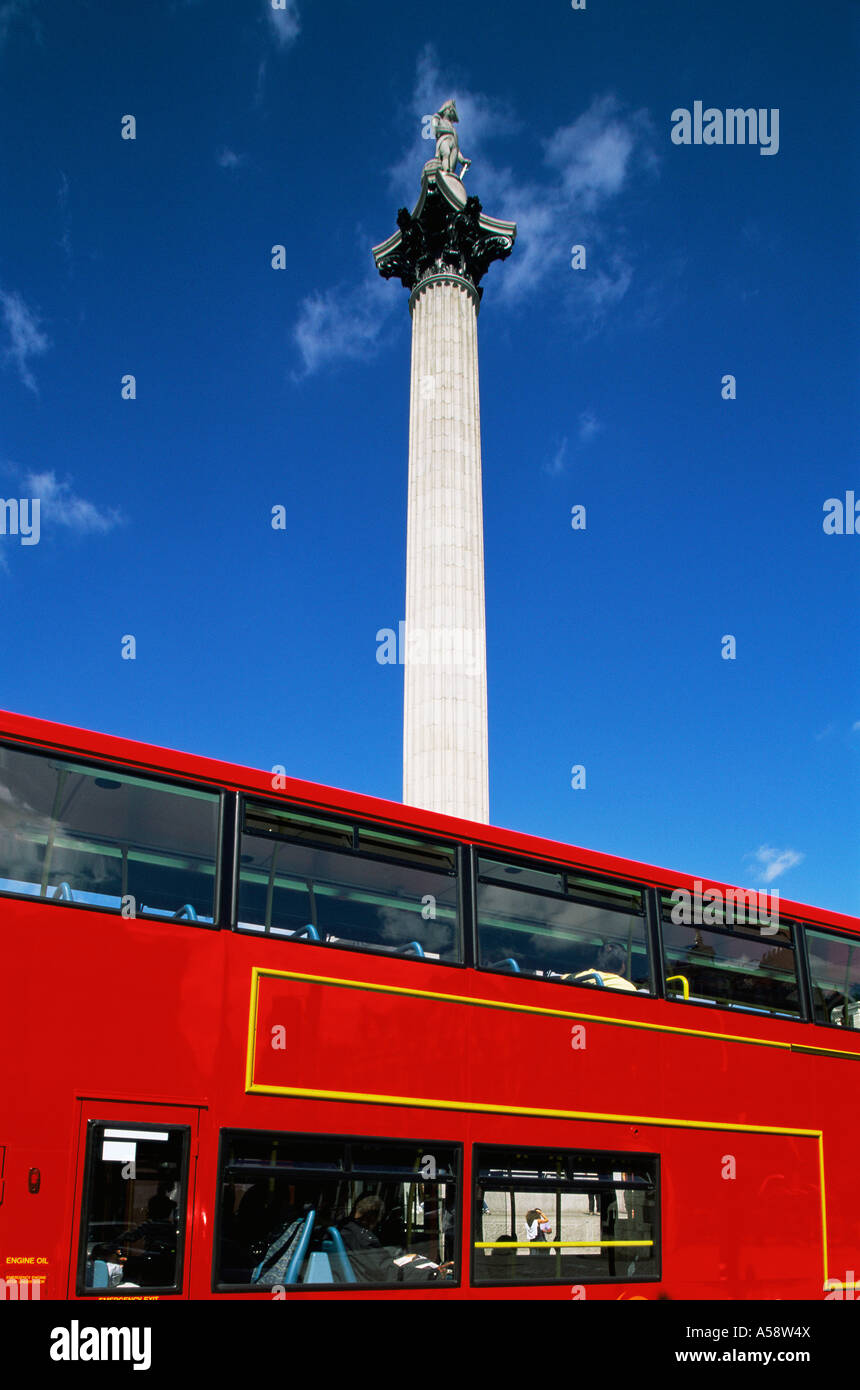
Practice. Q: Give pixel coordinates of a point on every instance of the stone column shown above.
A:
(445, 758)
(440, 253)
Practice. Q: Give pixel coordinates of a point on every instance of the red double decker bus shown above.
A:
(264, 1039)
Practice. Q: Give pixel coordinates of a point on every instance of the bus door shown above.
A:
(134, 1199)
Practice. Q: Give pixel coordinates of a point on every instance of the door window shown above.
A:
(133, 1222)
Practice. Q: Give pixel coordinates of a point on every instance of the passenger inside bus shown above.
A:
(609, 961)
(374, 1262)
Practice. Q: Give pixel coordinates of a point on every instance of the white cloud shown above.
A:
(589, 426)
(26, 339)
(336, 324)
(228, 159)
(774, 862)
(592, 155)
(284, 21)
(556, 465)
(64, 508)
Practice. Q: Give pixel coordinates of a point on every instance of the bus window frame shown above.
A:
(807, 965)
(81, 1289)
(657, 1249)
(796, 937)
(357, 825)
(215, 790)
(550, 866)
(458, 1147)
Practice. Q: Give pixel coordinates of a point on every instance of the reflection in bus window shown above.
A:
(101, 838)
(296, 1211)
(743, 968)
(546, 1216)
(306, 879)
(133, 1218)
(561, 926)
(834, 969)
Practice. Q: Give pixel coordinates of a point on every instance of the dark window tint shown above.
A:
(561, 926)
(744, 966)
(134, 1215)
(546, 1216)
(103, 838)
(376, 891)
(834, 969)
(296, 1211)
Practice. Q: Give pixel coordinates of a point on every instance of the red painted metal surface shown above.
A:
(127, 1020)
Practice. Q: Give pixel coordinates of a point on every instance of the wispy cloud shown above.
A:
(63, 507)
(554, 465)
(589, 426)
(229, 159)
(284, 26)
(855, 727)
(26, 339)
(771, 863)
(284, 21)
(334, 325)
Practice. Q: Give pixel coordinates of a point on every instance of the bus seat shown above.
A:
(590, 977)
(507, 964)
(279, 1258)
(63, 893)
(411, 948)
(334, 1247)
(97, 1275)
(185, 914)
(307, 933)
(318, 1269)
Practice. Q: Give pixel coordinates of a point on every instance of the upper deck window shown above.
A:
(338, 884)
(834, 970)
(103, 838)
(561, 925)
(737, 961)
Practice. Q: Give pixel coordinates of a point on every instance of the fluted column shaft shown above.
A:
(445, 753)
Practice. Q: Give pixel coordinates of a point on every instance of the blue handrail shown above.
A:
(334, 1247)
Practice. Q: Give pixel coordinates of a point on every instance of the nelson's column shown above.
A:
(440, 253)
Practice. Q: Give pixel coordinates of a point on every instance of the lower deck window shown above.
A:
(296, 1211)
(133, 1220)
(561, 1216)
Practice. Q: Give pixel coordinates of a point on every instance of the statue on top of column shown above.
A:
(447, 144)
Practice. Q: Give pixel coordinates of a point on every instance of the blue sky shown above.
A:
(259, 387)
